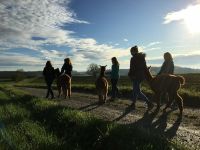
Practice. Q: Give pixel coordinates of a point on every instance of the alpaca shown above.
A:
(102, 85)
(166, 83)
(64, 83)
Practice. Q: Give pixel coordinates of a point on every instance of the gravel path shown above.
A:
(184, 129)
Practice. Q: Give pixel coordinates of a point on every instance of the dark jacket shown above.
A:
(137, 67)
(49, 74)
(67, 69)
(167, 68)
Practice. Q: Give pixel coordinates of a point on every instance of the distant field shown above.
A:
(190, 91)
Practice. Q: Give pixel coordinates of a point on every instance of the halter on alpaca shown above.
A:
(64, 83)
(166, 83)
(102, 85)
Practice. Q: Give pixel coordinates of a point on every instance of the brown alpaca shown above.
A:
(63, 83)
(102, 85)
(166, 83)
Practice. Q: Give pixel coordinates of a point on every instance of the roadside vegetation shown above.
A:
(190, 91)
(28, 122)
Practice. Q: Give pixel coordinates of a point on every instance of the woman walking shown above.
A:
(114, 77)
(137, 75)
(49, 76)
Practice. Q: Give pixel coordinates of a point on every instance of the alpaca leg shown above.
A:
(59, 91)
(69, 91)
(65, 93)
(170, 100)
(179, 101)
(157, 96)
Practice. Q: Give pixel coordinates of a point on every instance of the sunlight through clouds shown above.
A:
(190, 17)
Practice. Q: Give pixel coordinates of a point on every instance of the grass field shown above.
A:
(27, 122)
(190, 91)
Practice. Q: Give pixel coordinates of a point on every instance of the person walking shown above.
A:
(67, 67)
(114, 77)
(167, 68)
(49, 75)
(137, 75)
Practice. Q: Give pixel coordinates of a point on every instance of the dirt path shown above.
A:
(186, 130)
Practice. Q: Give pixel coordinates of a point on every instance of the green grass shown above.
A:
(32, 123)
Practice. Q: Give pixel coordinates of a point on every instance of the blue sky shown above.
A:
(93, 31)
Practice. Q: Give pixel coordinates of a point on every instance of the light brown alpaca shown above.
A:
(166, 84)
(102, 85)
(63, 83)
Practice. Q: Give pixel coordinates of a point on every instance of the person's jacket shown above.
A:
(67, 69)
(167, 68)
(137, 67)
(115, 72)
(49, 74)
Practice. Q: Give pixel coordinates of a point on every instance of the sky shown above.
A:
(94, 31)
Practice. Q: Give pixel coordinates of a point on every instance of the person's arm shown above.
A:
(131, 69)
(70, 68)
(63, 68)
(162, 69)
(44, 72)
(171, 70)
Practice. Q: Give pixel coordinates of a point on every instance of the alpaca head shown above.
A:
(148, 74)
(57, 72)
(102, 70)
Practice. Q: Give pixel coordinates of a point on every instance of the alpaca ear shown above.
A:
(105, 65)
(149, 67)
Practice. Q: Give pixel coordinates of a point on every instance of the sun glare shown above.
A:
(192, 18)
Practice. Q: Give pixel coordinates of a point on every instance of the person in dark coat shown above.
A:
(137, 75)
(49, 76)
(67, 67)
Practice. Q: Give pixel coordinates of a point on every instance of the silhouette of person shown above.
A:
(67, 67)
(137, 75)
(49, 76)
(114, 75)
(167, 68)
(168, 65)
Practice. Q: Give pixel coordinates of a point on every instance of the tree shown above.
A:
(93, 69)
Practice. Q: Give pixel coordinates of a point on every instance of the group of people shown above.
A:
(49, 74)
(136, 74)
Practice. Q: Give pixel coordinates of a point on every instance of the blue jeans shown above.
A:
(137, 92)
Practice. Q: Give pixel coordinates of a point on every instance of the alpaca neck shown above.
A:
(102, 74)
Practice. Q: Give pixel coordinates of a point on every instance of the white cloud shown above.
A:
(125, 40)
(21, 20)
(190, 16)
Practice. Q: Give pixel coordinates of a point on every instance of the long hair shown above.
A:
(48, 64)
(68, 61)
(114, 60)
(168, 56)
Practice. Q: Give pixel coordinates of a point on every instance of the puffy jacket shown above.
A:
(49, 74)
(137, 67)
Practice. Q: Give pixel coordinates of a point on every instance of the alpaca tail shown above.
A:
(181, 79)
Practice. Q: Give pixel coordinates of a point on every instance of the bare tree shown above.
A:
(93, 69)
